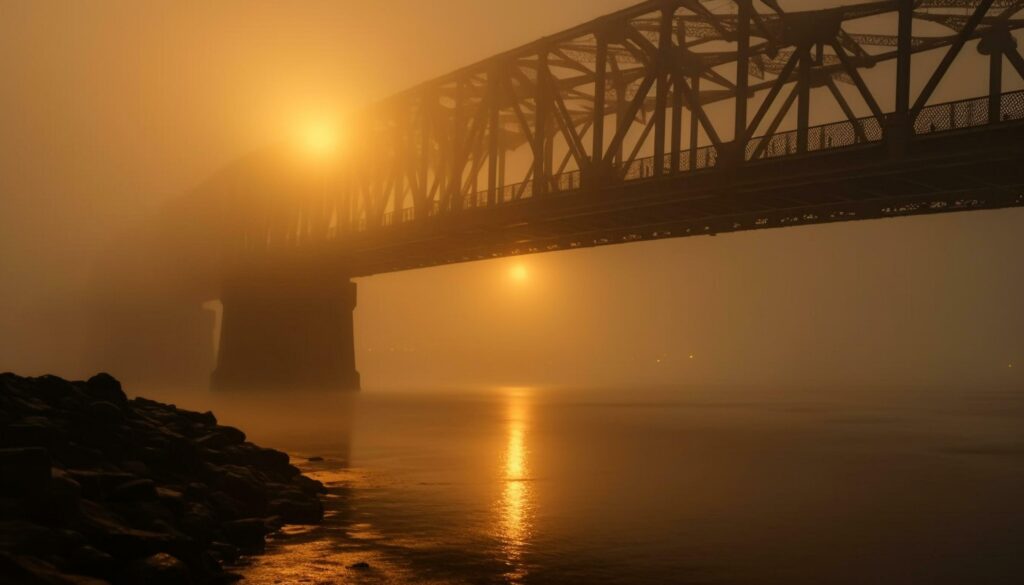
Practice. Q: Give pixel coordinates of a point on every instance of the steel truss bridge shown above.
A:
(671, 119)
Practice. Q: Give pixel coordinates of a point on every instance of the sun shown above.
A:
(518, 273)
(319, 140)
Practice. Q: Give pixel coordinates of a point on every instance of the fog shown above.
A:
(114, 113)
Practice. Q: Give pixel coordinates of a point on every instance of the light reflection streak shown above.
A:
(516, 507)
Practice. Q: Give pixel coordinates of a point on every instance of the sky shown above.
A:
(111, 109)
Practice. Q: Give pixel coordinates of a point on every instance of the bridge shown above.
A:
(666, 119)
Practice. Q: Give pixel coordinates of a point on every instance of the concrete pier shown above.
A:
(287, 327)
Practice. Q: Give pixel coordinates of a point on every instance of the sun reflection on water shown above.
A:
(515, 509)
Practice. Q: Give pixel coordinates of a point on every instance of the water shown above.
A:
(539, 485)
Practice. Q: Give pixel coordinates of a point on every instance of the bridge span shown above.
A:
(663, 120)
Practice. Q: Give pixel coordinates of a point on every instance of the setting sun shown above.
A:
(319, 140)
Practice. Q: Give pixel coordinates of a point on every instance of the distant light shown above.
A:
(691, 356)
(320, 140)
(519, 273)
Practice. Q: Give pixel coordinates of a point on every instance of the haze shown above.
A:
(111, 110)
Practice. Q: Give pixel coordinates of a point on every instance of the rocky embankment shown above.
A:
(97, 488)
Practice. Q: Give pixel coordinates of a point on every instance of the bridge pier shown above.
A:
(287, 327)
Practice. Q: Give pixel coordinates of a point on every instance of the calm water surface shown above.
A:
(538, 485)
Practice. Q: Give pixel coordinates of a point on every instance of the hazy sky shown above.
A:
(109, 108)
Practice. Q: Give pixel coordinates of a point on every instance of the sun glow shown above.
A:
(518, 273)
(319, 140)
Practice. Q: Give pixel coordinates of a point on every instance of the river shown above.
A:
(666, 485)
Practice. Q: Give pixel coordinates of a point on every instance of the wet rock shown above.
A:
(158, 569)
(298, 511)
(247, 534)
(93, 485)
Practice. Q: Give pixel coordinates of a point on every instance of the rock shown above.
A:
(247, 534)
(309, 485)
(158, 569)
(24, 471)
(103, 386)
(26, 570)
(105, 412)
(314, 459)
(91, 561)
(30, 432)
(97, 485)
(224, 552)
(295, 511)
(360, 566)
(134, 491)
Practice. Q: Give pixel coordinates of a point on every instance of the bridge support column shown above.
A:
(287, 327)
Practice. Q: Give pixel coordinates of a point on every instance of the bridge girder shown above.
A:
(657, 91)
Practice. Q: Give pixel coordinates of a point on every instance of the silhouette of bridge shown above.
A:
(667, 119)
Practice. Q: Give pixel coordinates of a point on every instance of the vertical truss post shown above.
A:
(620, 110)
(694, 123)
(600, 92)
(898, 128)
(541, 100)
(742, 80)
(662, 69)
(457, 163)
(426, 113)
(803, 115)
(996, 44)
(494, 91)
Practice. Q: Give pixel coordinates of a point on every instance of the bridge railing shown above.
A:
(949, 116)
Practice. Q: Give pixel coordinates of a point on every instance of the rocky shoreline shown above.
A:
(96, 488)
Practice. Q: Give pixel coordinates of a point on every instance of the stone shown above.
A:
(106, 412)
(360, 566)
(88, 560)
(24, 471)
(103, 386)
(157, 569)
(295, 511)
(134, 491)
(247, 534)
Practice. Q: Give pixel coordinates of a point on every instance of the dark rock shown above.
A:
(158, 569)
(247, 534)
(224, 552)
(105, 412)
(360, 566)
(24, 471)
(134, 491)
(103, 386)
(298, 511)
(91, 561)
(97, 485)
(30, 432)
(315, 458)
(27, 570)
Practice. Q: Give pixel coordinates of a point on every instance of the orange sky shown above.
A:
(108, 108)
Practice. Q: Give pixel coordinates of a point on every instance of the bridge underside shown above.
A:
(956, 171)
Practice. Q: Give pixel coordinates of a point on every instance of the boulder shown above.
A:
(24, 471)
(103, 386)
(158, 569)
